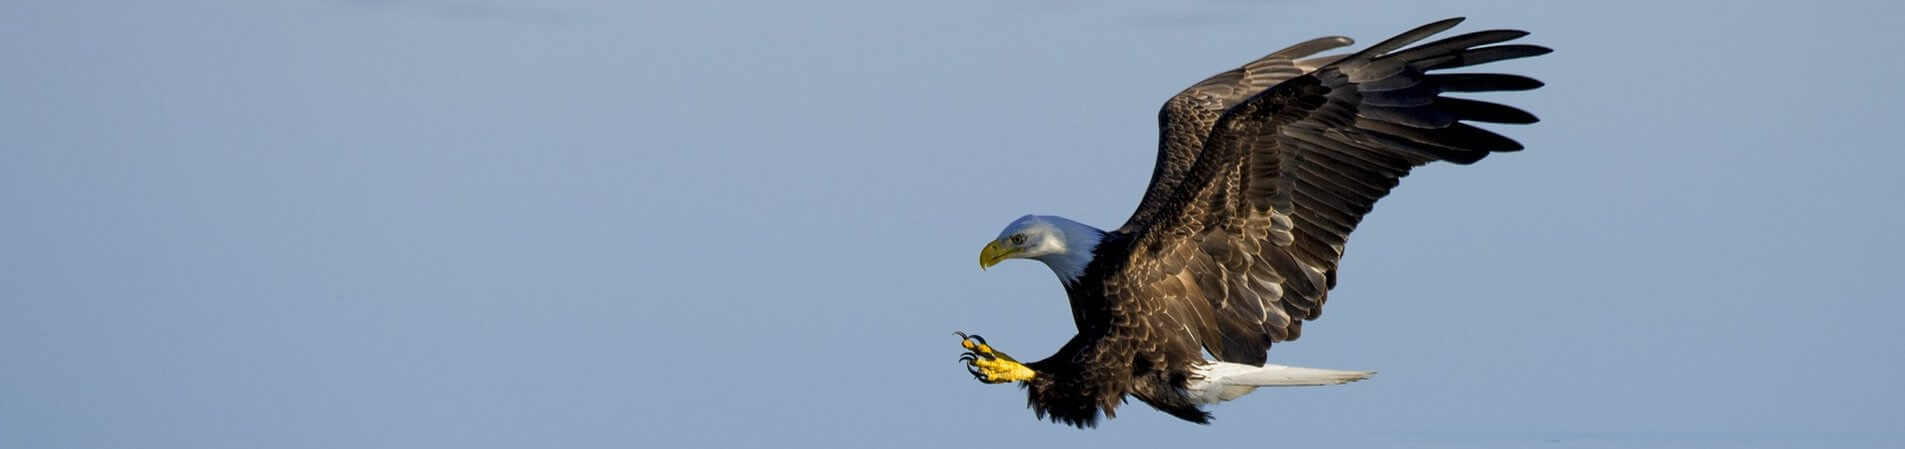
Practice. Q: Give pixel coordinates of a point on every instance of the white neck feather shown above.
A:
(1079, 240)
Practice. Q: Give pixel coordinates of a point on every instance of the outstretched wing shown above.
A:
(1246, 246)
(1186, 118)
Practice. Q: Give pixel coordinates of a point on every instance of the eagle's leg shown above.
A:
(988, 365)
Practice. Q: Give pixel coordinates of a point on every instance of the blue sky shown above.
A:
(452, 223)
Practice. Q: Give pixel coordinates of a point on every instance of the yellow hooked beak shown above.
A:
(994, 253)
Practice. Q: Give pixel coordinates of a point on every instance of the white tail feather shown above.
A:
(1223, 381)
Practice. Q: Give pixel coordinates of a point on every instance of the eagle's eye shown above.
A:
(1018, 239)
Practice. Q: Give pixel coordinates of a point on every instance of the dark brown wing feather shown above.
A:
(1186, 118)
(1238, 242)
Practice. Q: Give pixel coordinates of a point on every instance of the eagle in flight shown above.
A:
(1262, 172)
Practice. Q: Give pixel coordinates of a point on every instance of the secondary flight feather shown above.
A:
(1262, 173)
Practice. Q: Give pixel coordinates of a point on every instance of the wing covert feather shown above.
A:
(1186, 118)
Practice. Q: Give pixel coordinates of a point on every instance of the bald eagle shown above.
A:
(1262, 172)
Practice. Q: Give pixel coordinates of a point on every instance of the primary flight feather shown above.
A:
(1262, 173)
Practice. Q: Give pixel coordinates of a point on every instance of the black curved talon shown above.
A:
(973, 356)
(969, 358)
(974, 337)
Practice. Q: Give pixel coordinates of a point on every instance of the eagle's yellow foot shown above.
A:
(988, 365)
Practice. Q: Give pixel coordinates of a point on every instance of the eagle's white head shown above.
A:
(1064, 245)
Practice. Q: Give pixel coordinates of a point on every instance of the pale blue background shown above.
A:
(457, 223)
